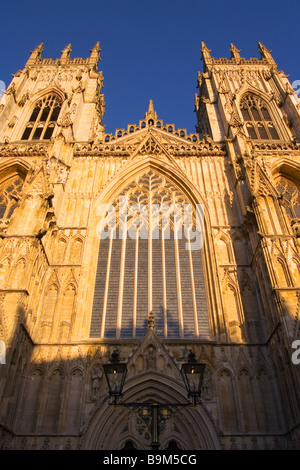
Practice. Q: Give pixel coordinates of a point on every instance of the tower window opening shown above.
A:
(43, 119)
(257, 119)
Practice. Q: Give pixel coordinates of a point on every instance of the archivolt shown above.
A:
(110, 427)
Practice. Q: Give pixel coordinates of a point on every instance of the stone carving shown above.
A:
(207, 385)
(66, 120)
(276, 97)
(51, 75)
(79, 89)
(12, 122)
(151, 357)
(62, 174)
(223, 89)
(267, 75)
(57, 171)
(34, 75)
(96, 378)
(11, 90)
(23, 99)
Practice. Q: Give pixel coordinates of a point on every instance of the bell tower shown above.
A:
(250, 106)
(224, 82)
(73, 85)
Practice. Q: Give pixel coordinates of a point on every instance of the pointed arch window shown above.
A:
(290, 194)
(150, 269)
(9, 195)
(43, 118)
(257, 118)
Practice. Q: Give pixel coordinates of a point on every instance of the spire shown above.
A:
(36, 54)
(205, 52)
(65, 54)
(265, 53)
(95, 53)
(151, 114)
(235, 53)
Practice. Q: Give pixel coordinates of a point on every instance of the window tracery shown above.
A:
(257, 118)
(43, 118)
(150, 269)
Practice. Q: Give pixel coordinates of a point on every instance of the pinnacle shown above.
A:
(95, 52)
(233, 48)
(235, 53)
(66, 51)
(151, 107)
(97, 46)
(151, 114)
(262, 47)
(38, 49)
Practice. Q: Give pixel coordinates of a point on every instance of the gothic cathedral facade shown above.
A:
(73, 290)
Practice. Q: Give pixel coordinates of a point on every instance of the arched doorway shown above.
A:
(113, 428)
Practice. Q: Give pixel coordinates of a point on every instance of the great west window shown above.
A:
(159, 270)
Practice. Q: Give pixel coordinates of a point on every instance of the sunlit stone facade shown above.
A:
(70, 296)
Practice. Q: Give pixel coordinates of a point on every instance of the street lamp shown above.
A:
(115, 373)
(153, 414)
(192, 373)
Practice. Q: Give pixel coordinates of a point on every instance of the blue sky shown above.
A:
(150, 49)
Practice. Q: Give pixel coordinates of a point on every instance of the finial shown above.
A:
(65, 54)
(265, 53)
(151, 107)
(235, 53)
(36, 54)
(204, 47)
(205, 52)
(95, 53)
(151, 114)
(151, 321)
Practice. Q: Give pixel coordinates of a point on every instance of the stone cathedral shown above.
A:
(73, 290)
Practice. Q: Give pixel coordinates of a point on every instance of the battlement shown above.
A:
(235, 59)
(36, 59)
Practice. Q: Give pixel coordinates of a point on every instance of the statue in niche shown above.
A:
(62, 174)
(206, 386)
(151, 357)
(96, 377)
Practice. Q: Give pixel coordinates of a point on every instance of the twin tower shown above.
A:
(69, 298)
